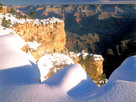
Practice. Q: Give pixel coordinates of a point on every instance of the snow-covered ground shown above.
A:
(72, 84)
(5, 31)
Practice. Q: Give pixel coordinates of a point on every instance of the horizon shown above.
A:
(61, 2)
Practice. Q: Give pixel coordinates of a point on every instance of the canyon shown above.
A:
(92, 28)
(108, 30)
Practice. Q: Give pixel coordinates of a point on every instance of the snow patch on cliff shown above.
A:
(49, 61)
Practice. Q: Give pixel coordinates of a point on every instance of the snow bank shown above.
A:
(126, 71)
(16, 66)
(116, 91)
(72, 78)
(71, 84)
(31, 93)
(49, 61)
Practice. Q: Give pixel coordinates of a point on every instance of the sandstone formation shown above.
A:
(51, 37)
(92, 63)
(3, 10)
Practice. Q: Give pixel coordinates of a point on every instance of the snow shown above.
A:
(5, 31)
(33, 45)
(126, 71)
(49, 61)
(47, 21)
(15, 20)
(12, 18)
(63, 90)
(95, 57)
(115, 91)
(16, 66)
(71, 78)
(71, 84)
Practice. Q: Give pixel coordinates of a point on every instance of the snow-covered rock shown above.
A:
(16, 66)
(49, 61)
(14, 20)
(92, 63)
(33, 45)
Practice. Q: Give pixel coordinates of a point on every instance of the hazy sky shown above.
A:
(34, 2)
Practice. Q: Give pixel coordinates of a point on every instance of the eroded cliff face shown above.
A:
(93, 68)
(92, 63)
(51, 37)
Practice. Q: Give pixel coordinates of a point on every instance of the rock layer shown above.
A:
(92, 63)
(50, 36)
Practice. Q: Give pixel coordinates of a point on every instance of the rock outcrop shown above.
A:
(92, 63)
(50, 36)
(3, 9)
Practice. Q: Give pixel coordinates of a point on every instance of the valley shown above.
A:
(108, 30)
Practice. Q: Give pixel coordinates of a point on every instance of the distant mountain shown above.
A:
(53, 2)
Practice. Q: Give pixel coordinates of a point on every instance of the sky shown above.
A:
(42, 2)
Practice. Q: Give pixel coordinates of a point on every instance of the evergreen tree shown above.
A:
(32, 14)
(1, 6)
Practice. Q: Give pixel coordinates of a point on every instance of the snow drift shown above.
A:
(16, 66)
(126, 71)
(58, 87)
(116, 91)
(72, 79)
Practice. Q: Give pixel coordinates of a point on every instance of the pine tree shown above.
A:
(32, 14)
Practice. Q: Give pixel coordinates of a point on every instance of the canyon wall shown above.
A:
(92, 64)
(50, 37)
